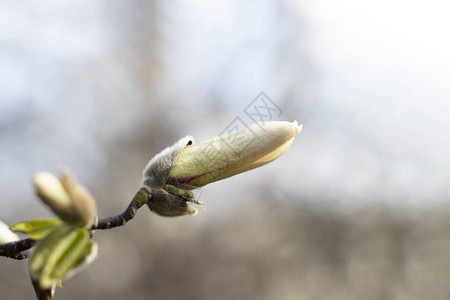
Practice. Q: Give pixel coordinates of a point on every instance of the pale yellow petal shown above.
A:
(228, 155)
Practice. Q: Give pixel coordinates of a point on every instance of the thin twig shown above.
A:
(15, 249)
(139, 199)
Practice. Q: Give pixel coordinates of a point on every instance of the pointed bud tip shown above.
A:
(50, 189)
(44, 178)
(297, 128)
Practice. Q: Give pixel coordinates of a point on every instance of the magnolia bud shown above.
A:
(228, 155)
(66, 197)
(185, 166)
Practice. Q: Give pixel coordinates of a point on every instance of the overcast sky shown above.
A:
(375, 107)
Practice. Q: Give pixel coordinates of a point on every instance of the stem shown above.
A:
(16, 249)
(42, 294)
(139, 199)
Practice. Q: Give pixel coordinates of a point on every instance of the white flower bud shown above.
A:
(185, 166)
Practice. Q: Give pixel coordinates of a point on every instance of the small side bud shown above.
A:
(82, 201)
(66, 197)
(168, 205)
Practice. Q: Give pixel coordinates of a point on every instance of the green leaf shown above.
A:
(36, 228)
(63, 249)
(44, 248)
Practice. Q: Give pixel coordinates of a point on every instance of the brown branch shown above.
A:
(139, 199)
(15, 249)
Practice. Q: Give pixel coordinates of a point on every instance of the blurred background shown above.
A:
(357, 208)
